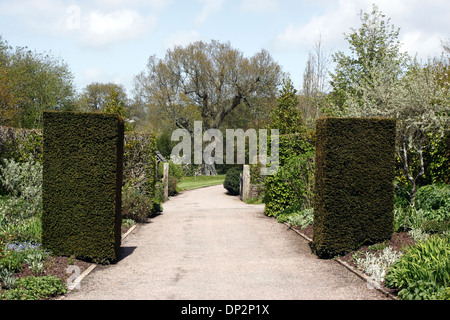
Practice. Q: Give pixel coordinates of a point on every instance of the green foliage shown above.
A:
(291, 185)
(286, 116)
(140, 161)
(423, 268)
(136, 205)
(354, 162)
(82, 181)
(374, 52)
(36, 82)
(296, 216)
(434, 197)
(21, 209)
(35, 288)
(13, 261)
(233, 181)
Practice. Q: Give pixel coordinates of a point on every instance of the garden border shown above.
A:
(86, 272)
(360, 274)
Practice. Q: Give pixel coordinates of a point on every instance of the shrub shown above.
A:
(353, 204)
(82, 179)
(172, 185)
(233, 181)
(136, 205)
(435, 200)
(140, 161)
(22, 181)
(291, 185)
(426, 262)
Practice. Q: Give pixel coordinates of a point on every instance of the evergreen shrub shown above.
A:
(233, 181)
(82, 181)
(353, 192)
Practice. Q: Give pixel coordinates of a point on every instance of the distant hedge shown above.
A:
(82, 179)
(354, 193)
(140, 161)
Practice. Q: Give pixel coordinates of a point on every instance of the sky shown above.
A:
(111, 40)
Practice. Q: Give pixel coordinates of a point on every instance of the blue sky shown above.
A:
(111, 40)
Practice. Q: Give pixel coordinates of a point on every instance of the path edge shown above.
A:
(352, 269)
(86, 272)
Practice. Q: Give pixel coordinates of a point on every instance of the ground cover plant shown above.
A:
(414, 262)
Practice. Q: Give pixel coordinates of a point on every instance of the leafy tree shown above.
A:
(96, 96)
(30, 83)
(206, 79)
(286, 117)
(374, 53)
(379, 80)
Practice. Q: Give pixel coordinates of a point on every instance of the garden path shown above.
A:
(208, 245)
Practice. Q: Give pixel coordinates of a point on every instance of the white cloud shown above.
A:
(260, 6)
(181, 38)
(209, 8)
(330, 26)
(100, 30)
(422, 24)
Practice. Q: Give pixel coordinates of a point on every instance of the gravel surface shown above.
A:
(208, 245)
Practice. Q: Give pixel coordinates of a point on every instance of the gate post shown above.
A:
(245, 182)
(166, 181)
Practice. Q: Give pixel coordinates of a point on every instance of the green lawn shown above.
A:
(189, 183)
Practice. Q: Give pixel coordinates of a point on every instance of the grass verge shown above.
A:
(190, 183)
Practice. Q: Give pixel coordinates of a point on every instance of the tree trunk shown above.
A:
(207, 170)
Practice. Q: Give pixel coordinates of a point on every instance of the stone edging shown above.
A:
(360, 274)
(91, 268)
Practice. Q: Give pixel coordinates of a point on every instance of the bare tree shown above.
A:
(206, 80)
(315, 80)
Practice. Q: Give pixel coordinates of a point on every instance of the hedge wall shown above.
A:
(82, 179)
(354, 193)
(140, 161)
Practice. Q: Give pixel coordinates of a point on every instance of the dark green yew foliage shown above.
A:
(82, 180)
(233, 180)
(354, 192)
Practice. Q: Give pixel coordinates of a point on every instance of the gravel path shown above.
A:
(210, 246)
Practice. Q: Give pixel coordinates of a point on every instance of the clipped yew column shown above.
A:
(354, 190)
(82, 182)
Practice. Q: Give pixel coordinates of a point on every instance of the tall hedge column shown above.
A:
(82, 180)
(354, 192)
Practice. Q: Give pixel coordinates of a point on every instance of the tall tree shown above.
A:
(374, 48)
(315, 82)
(286, 117)
(32, 82)
(95, 96)
(379, 80)
(209, 79)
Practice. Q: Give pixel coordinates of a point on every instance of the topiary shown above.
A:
(233, 181)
